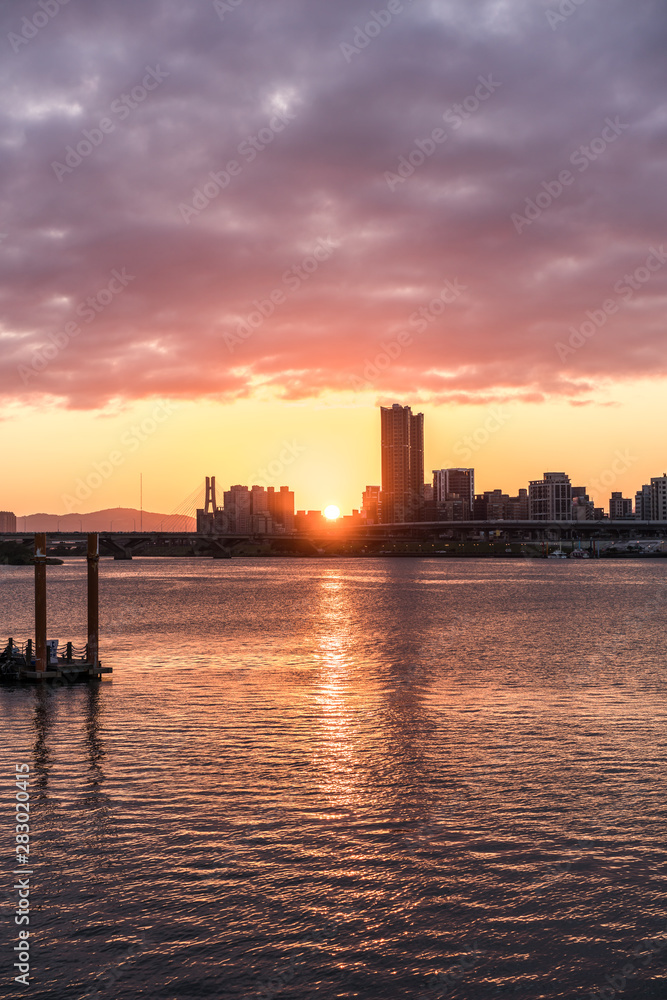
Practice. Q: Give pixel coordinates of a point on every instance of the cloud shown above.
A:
(313, 135)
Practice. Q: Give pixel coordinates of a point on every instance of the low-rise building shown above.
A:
(583, 508)
(7, 521)
(494, 505)
(620, 507)
(309, 520)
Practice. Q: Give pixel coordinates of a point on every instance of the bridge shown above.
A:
(126, 544)
(525, 530)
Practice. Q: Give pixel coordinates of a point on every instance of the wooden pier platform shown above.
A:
(50, 660)
(71, 672)
(16, 670)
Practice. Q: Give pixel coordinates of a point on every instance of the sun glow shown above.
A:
(332, 512)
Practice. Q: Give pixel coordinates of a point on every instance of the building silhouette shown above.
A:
(402, 443)
(455, 484)
(494, 505)
(583, 508)
(620, 507)
(7, 521)
(550, 498)
(247, 510)
(310, 520)
(281, 507)
(643, 503)
(659, 498)
(370, 505)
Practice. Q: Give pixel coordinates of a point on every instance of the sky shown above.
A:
(230, 230)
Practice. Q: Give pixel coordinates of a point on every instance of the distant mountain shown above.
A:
(114, 519)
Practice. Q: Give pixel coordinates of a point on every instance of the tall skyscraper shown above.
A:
(402, 435)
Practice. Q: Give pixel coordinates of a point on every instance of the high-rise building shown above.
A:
(259, 502)
(281, 507)
(7, 521)
(450, 483)
(550, 498)
(256, 510)
(659, 498)
(402, 436)
(370, 505)
(643, 503)
(261, 521)
(237, 510)
(619, 507)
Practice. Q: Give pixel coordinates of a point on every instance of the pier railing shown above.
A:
(45, 659)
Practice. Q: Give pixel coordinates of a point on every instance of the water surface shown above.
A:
(347, 778)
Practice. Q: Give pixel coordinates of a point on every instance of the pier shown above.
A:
(49, 660)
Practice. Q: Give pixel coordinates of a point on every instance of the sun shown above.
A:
(332, 512)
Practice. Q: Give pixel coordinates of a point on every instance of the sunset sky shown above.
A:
(230, 230)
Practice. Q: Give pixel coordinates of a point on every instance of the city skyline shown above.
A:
(273, 257)
(405, 492)
(333, 503)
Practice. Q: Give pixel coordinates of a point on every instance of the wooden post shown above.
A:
(93, 598)
(68, 653)
(28, 654)
(40, 602)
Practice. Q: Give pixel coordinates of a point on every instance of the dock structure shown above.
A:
(50, 660)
